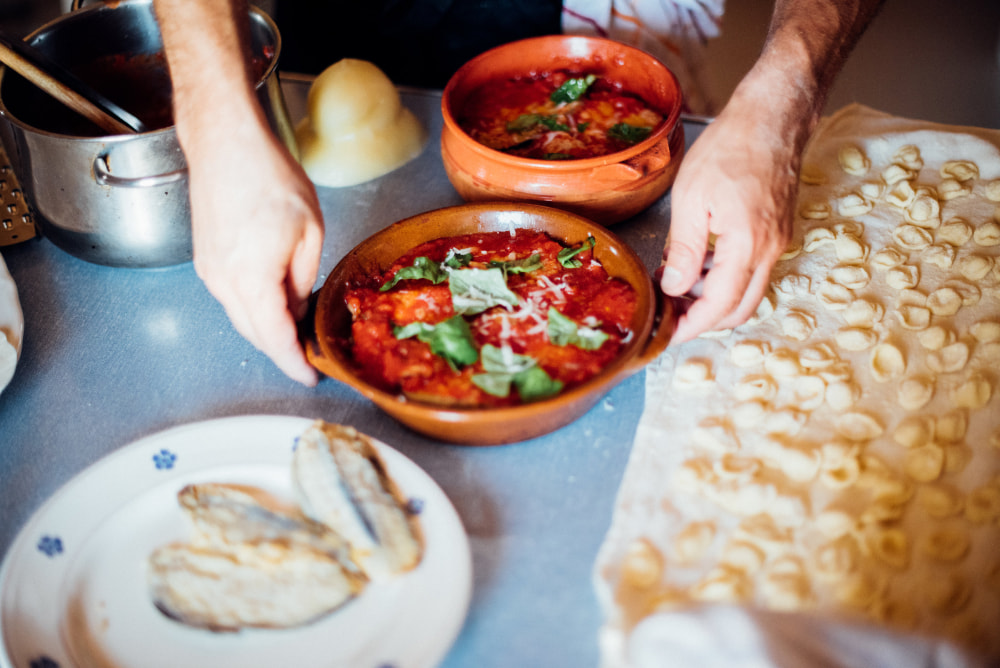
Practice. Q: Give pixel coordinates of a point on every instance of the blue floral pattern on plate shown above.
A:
(51, 546)
(164, 459)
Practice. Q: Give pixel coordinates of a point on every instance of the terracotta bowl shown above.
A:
(653, 322)
(606, 189)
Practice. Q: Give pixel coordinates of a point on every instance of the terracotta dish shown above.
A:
(606, 189)
(652, 324)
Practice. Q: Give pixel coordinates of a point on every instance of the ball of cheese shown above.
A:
(356, 128)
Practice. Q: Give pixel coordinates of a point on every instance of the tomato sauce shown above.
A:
(557, 115)
(599, 309)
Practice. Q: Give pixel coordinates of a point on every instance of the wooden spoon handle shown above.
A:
(66, 87)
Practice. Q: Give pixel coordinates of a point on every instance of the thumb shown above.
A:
(684, 256)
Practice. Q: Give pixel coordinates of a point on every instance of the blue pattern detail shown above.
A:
(164, 459)
(43, 662)
(415, 506)
(50, 545)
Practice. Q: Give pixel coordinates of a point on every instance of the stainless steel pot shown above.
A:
(119, 200)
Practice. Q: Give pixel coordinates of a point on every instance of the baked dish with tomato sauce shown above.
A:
(557, 116)
(489, 319)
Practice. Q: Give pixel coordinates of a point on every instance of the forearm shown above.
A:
(806, 46)
(206, 50)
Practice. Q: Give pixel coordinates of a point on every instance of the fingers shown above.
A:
(687, 243)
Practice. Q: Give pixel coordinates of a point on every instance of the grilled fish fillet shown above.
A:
(251, 563)
(342, 482)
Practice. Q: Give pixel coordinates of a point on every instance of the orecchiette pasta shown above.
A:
(821, 355)
(894, 173)
(974, 392)
(944, 301)
(887, 258)
(900, 194)
(985, 331)
(974, 267)
(693, 373)
(642, 566)
(834, 296)
(856, 426)
(960, 170)
(841, 395)
(924, 463)
(909, 156)
(886, 363)
(849, 248)
(940, 500)
(817, 237)
(853, 205)
(945, 543)
(987, 234)
(940, 255)
(914, 317)
(853, 160)
(749, 353)
(890, 546)
(903, 277)
(992, 190)
(913, 393)
(692, 542)
(924, 211)
(947, 595)
(812, 175)
(815, 210)
(914, 431)
(956, 232)
(798, 325)
(948, 359)
(936, 337)
(851, 276)
(982, 505)
(952, 426)
(856, 338)
(782, 362)
(911, 237)
(950, 189)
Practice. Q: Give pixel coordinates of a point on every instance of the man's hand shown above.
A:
(738, 183)
(258, 236)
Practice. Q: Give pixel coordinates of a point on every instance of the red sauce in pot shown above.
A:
(557, 116)
(518, 345)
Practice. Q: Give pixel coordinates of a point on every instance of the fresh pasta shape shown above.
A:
(850, 249)
(952, 426)
(692, 543)
(914, 317)
(817, 237)
(851, 276)
(815, 210)
(975, 267)
(853, 205)
(853, 160)
(950, 189)
(743, 556)
(834, 296)
(924, 211)
(895, 173)
(960, 170)
(757, 386)
(798, 325)
(914, 431)
(985, 331)
(887, 258)
(745, 354)
(924, 463)
(821, 355)
(944, 301)
(940, 255)
(940, 500)
(987, 234)
(900, 194)
(856, 338)
(982, 505)
(911, 237)
(642, 566)
(890, 546)
(913, 393)
(857, 426)
(947, 595)
(903, 277)
(812, 175)
(949, 359)
(693, 373)
(992, 190)
(909, 157)
(957, 231)
(722, 585)
(841, 395)
(864, 313)
(782, 362)
(974, 392)
(749, 414)
(936, 337)
(886, 363)
(808, 392)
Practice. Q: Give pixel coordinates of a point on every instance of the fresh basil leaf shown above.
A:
(457, 260)
(563, 331)
(522, 266)
(505, 368)
(450, 339)
(534, 384)
(567, 256)
(582, 127)
(523, 123)
(552, 123)
(630, 134)
(422, 267)
(475, 290)
(572, 89)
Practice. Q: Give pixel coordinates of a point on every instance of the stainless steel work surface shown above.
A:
(111, 355)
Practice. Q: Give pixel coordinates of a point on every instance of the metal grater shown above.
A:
(16, 221)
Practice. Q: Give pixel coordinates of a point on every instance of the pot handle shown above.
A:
(104, 177)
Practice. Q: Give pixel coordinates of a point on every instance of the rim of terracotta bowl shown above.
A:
(578, 50)
(652, 323)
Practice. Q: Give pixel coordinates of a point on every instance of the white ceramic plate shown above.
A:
(73, 589)
(11, 325)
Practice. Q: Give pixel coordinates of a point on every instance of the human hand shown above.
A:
(258, 236)
(738, 183)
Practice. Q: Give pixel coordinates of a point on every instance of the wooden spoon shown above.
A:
(66, 87)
